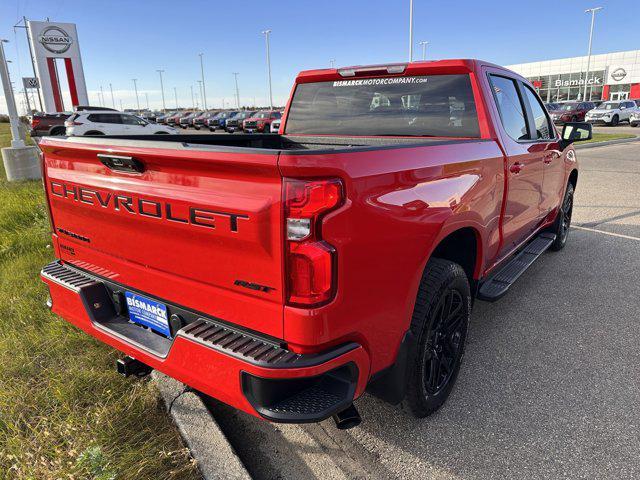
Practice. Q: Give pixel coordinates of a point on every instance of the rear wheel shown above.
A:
(615, 120)
(439, 323)
(574, 119)
(634, 124)
(58, 131)
(563, 222)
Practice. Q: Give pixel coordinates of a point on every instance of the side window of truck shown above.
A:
(542, 123)
(510, 107)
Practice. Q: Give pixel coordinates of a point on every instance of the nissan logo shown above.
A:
(618, 74)
(55, 40)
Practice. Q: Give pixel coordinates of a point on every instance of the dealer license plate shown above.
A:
(147, 312)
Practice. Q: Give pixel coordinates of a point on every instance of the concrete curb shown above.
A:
(580, 146)
(215, 457)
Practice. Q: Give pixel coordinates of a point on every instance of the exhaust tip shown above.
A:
(347, 418)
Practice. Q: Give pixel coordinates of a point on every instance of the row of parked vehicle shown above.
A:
(250, 121)
(597, 112)
(90, 120)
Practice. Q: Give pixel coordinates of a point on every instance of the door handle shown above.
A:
(516, 167)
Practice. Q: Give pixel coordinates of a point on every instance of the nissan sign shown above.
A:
(618, 74)
(55, 39)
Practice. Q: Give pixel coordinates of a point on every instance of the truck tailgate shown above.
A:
(198, 227)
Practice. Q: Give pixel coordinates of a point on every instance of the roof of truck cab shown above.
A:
(424, 67)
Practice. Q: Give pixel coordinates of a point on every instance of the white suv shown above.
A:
(112, 123)
(612, 113)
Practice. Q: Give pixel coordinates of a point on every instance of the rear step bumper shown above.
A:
(254, 374)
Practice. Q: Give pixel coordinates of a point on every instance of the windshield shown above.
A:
(610, 105)
(569, 106)
(432, 105)
(262, 115)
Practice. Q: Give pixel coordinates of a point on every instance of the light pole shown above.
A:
(102, 96)
(175, 94)
(411, 30)
(113, 100)
(424, 49)
(200, 90)
(164, 109)
(235, 74)
(593, 20)
(266, 36)
(135, 87)
(332, 63)
(192, 101)
(146, 95)
(204, 91)
(121, 109)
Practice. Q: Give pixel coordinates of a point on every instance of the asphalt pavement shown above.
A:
(550, 386)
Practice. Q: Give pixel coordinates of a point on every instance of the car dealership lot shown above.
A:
(550, 385)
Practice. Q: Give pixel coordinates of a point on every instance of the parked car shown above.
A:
(111, 123)
(552, 107)
(612, 113)
(201, 120)
(275, 126)
(634, 119)
(286, 275)
(571, 112)
(187, 120)
(261, 121)
(637, 101)
(597, 103)
(219, 121)
(233, 124)
(175, 118)
(48, 124)
(162, 119)
(149, 116)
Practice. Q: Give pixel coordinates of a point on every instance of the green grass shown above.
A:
(64, 412)
(604, 137)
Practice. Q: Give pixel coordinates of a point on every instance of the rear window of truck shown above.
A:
(429, 105)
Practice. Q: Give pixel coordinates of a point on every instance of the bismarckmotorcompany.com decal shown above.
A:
(379, 81)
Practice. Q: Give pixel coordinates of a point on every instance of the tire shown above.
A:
(574, 119)
(94, 132)
(563, 222)
(633, 124)
(443, 288)
(614, 121)
(211, 129)
(58, 131)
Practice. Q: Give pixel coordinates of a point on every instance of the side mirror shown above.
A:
(576, 132)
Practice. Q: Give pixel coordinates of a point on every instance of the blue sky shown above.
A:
(121, 40)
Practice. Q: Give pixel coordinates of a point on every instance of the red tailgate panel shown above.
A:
(194, 228)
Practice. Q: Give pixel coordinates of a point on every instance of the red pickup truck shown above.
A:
(288, 274)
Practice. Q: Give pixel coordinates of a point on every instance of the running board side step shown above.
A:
(497, 285)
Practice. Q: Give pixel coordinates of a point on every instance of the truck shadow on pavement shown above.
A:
(549, 388)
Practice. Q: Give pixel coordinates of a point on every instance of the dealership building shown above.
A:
(612, 76)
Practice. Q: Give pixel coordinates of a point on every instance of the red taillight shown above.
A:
(310, 260)
(35, 122)
(71, 124)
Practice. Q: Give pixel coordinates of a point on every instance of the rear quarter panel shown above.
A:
(400, 203)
